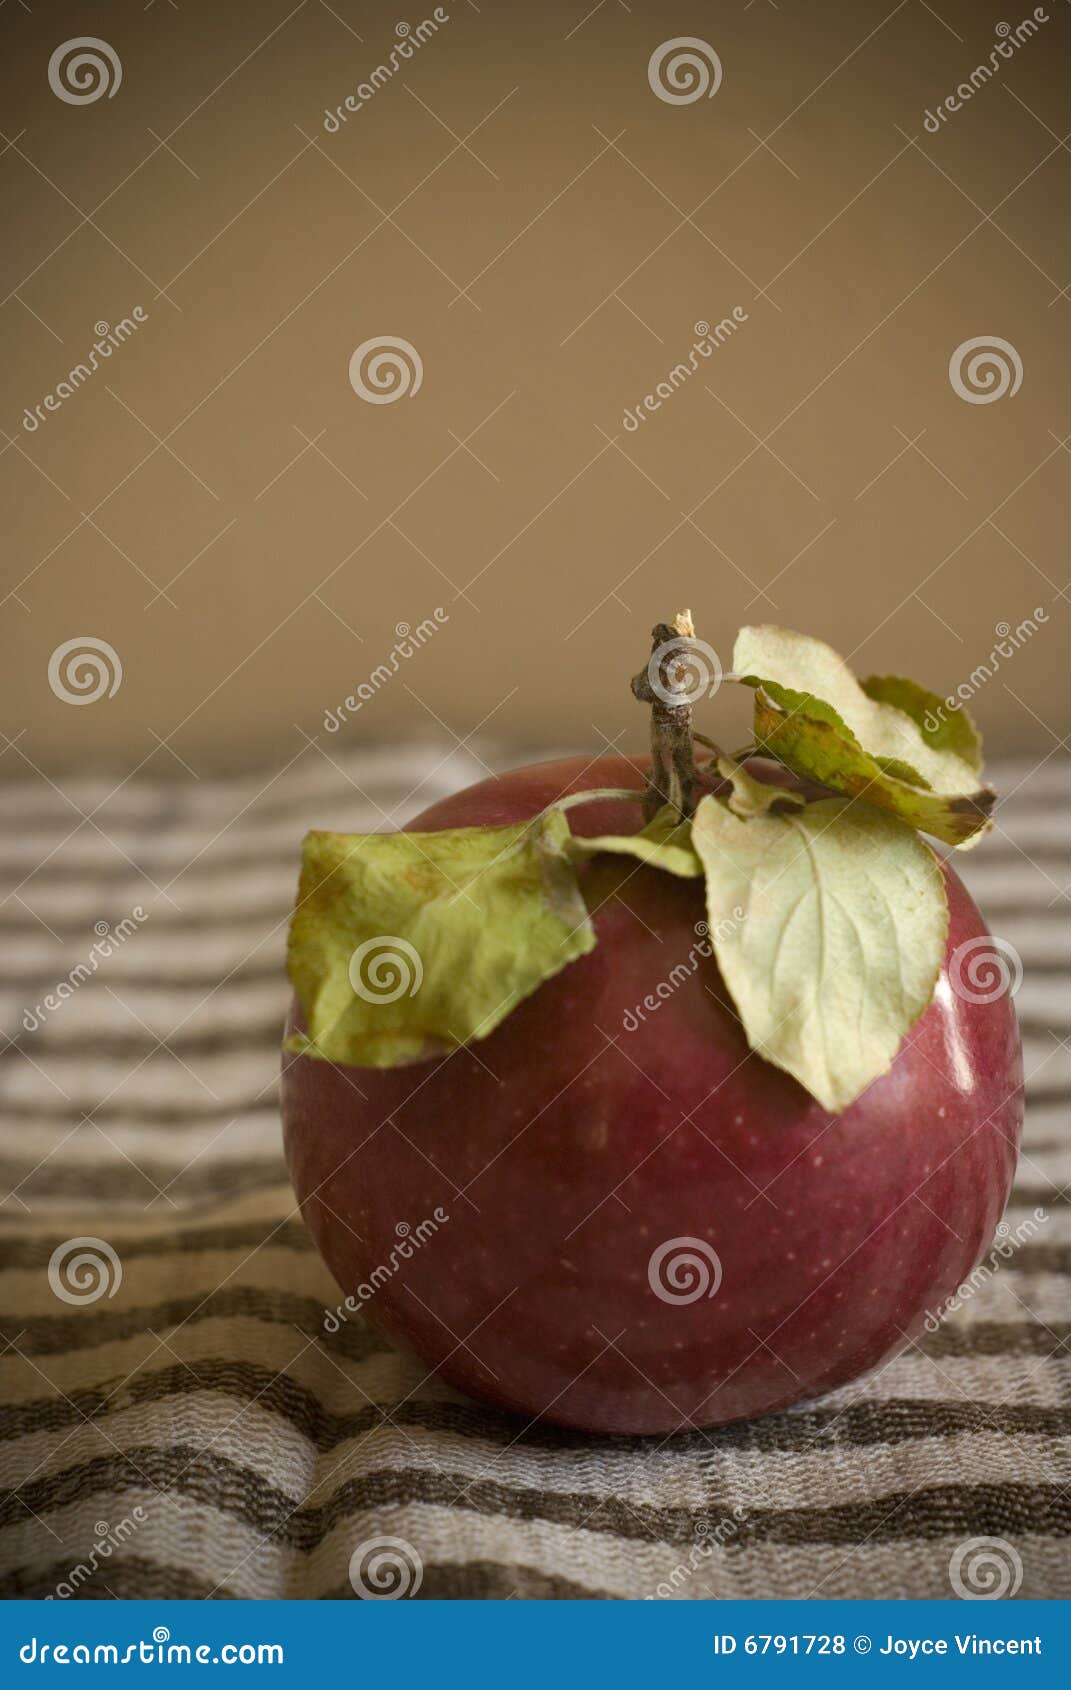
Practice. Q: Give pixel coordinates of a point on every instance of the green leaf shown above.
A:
(751, 797)
(841, 940)
(943, 728)
(811, 712)
(666, 843)
(405, 945)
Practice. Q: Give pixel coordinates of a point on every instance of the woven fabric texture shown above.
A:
(198, 1434)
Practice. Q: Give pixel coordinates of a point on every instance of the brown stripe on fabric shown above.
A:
(196, 1108)
(18, 1252)
(993, 1337)
(257, 1061)
(130, 1578)
(203, 1109)
(887, 1422)
(491, 1581)
(139, 1177)
(1030, 1028)
(999, 849)
(241, 1493)
(255, 930)
(1042, 1258)
(139, 1180)
(124, 1045)
(264, 913)
(273, 905)
(261, 963)
(87, 1328)
(198, 871)
(258, 914)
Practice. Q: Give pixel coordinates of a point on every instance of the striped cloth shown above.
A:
(196, 1433)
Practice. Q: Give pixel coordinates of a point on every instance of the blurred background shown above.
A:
(219, 505)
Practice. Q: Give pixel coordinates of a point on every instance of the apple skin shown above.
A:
(565, 1150)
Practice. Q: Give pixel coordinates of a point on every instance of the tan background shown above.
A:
(519, 205)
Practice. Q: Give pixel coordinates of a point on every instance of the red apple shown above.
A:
(582, 1164)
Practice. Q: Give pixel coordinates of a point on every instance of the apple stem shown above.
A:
(665, 685)
(710, 744)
